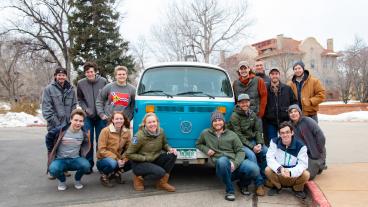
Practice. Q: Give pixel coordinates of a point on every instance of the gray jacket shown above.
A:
(87, 93)
(58, 103)
(114, 97)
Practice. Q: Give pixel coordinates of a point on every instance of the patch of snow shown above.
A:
(338, 102)
(12, 119)
(4, 106)
(348, 116)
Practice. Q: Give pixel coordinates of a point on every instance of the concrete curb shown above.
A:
(317, 195)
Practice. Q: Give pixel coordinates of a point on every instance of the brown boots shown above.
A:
(163, 184)
(138, 183)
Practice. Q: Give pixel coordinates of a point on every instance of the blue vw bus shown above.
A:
(183, 95)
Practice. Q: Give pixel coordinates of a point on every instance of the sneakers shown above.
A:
(300, 194)
(105, 181)
(50, 177)
(244, 190)
(273, 191)
(230, 197)
(62, 186)
(78, 185)
(260, 191)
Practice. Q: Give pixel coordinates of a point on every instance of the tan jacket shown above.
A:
(112, 143)
(313, 93)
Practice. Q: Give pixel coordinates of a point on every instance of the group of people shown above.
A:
(104, 115)
(272, 138)
(277, 127)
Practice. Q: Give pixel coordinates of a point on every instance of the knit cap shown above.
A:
(217, 115)
(295, 106)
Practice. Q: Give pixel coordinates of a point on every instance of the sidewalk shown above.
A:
(345, 184)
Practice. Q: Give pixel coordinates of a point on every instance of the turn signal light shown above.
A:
(221, 109)
(150, 108)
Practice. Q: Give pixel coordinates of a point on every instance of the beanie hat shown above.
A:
(295, 106)
(243, 63)
(299, 63)
(60, 70)
(243, 96)
(274, 69)
(217, 115)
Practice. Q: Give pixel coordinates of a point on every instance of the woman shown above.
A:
(112, 144)
(147, 159)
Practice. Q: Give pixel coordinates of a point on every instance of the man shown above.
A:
(308, 131)
(245, 124)
(225, 150)
(64, 145)
(58, 100)
(287, 162)
(253, 86)
(88, 89)
(308, 90)
(279, 98)
(117, 96)
(260, 71)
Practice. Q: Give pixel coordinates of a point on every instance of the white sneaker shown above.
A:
(78, 185)
(62, 186)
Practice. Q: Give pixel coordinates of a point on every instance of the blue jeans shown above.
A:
(59, 166)
(259, 159)
(272, 131)
(246, 172)
(108, 165)
(93, 125)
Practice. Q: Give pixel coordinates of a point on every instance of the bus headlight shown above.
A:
(150, 108)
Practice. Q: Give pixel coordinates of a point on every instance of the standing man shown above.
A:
(260, 71)
(287, 162)
(88, 89)
(252, 85)
(312, 136)
(225, 149)
(245, 124)
(117, 96)
(308, 90)
(279, 98)
(66, 146)
(58, 100)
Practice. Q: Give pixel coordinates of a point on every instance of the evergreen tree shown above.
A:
(95, 37)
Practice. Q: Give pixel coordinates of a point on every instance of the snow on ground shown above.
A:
(348, 116)
(12, 119)
(4, 106)
(338, 102)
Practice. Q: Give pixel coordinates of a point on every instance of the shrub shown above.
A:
(29, 107)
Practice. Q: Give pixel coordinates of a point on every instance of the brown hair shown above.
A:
(286, 124)
(89, 65)
(120, 67)
(79, 112)
(126, 120)
(146, 116)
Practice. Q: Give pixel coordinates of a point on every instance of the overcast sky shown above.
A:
(299, 19)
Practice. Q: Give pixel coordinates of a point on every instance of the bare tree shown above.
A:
(200, 27)
(46, 22)
(284, 61)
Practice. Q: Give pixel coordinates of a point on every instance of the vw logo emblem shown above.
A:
(186, 127)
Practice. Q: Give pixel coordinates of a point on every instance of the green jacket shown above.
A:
(228, 144)
(246, 126)
(145, 147)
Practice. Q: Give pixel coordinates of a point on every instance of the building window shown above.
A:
(312, 63)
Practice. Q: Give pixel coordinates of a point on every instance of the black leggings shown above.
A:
(155, 169)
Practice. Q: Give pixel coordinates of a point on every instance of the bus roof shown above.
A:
(195, 64)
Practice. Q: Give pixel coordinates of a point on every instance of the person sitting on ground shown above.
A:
(112, 144)
(65, 145)
(225, 149)
(148, 160)
(287, 162)
(244, 123)
(308, 131)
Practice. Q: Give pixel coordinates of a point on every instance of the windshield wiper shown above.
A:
(195, 92)
(156, 91)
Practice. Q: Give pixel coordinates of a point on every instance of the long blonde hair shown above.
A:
(143, 123)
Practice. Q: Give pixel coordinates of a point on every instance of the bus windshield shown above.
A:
(185, 81)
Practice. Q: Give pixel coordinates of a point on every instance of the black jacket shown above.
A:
(278, 104)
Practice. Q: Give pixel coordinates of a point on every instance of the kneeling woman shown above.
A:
(147, 159)
(112, 144)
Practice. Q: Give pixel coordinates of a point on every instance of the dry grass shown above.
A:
(29, 107)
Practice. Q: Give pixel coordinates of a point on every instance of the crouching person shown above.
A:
(147, 159)
(112, 145)
(225, 149)
(287, 161)
(67, 147)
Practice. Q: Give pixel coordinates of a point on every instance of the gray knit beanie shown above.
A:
(295, 106)
(217, 115)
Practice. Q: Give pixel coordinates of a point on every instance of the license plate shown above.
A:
(187, 154)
